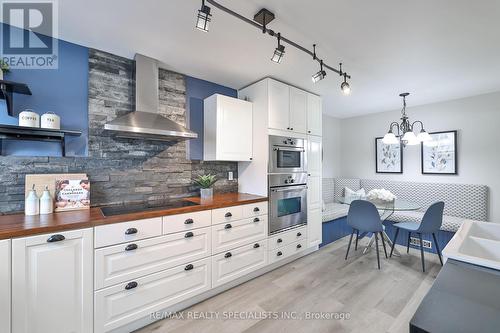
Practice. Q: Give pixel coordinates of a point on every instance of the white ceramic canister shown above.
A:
(46, 202)
(29, 118)
(32, 203)
(50, 120)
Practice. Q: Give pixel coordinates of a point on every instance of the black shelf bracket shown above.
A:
(7, 88)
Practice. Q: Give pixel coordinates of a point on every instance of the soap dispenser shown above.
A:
(32, 203)
(46, 202)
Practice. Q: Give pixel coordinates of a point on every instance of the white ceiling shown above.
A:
(437, 50)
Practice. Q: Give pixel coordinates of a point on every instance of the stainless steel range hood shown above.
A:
(146, 122)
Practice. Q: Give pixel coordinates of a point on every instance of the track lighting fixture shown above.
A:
(261, 21)
(319, 75)
(203, 17)
(279, 52)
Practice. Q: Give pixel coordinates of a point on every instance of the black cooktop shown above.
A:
(146, 206)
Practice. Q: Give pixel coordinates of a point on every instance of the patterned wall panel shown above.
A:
(342, 183)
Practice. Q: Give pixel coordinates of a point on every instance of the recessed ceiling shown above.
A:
(437, 50)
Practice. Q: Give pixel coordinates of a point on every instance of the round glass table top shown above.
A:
(396, 205)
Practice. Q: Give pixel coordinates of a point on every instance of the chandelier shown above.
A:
(405, 134)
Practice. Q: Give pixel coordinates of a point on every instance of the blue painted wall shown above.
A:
(63, 91)
(196, 91)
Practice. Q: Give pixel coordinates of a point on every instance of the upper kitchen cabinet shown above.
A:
(227, 129)
(314, 115)
(298, 110)
(279, 105)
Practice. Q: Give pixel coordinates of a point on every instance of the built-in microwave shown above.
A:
(286, 155)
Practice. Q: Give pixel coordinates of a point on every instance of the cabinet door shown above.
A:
(5, 285)
(279, 105)
(314, 155)
(298, 110)
(314, 115)
(234, 129)
(314, 192)
(314, 226)
(52, 283)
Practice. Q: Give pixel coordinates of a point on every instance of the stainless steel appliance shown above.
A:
(286, 155)
(287, 201)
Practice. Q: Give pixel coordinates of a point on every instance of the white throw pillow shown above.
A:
(351, 195)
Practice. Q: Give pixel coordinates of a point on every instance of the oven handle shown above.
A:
(289, 188)
(290, 149)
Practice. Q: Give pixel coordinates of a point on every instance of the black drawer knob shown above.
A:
(228, 226)
(131, 247)
(256, 209)
(130, 231)
(131, 285)
(299, 246)
(188, 267)
(228, 214)
(279, 240)
(299, 234)
(256, 219)
(56, 238)
(256, 245)
(189, 221)
(188, 234)
(228, 255)
(279, 254)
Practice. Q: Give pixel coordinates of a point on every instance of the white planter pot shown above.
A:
(206, 193)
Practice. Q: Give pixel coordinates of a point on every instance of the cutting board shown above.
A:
(42, 180)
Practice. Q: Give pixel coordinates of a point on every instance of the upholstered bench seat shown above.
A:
(334, 211)
(450, 223)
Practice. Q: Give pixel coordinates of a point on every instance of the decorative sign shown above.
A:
(72, 194)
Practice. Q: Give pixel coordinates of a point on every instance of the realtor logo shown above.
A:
(29, 34)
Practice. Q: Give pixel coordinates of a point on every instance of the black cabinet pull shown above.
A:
(279, 254)
(188, 234)
(228, 226)
(130, 231)
(256, 219)
(131, 285)
(131, 247)
(256, 245)
(256, 209)
(299, 234)
(308, 131)
(228, 255)
(279, 240)
(299, 246)
(56, 238)
(189, 221)
(291, 128)
(189, 267)
(228, 214)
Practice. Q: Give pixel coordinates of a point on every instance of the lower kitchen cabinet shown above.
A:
(124, 303)
(52, 283)
(5, 271)
(234, 234)
(230, 265)
(286, 251)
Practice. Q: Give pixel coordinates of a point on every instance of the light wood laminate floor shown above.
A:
(377, 301)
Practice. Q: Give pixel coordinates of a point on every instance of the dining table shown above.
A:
(386, 209)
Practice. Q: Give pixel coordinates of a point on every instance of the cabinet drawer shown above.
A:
(228, 214)
(256, 209)
(287, 251)
(128, 261)
(124, 303)
(186, 222)
(117, 233)
(231, 235)
(230, 265)
(287, 237)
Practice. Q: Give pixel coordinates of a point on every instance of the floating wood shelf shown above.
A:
(10, 132)
(9, 87)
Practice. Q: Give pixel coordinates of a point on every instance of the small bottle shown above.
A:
(32, 203)
(46, 202)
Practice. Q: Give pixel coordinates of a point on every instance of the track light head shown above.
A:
(319, 75)
(279, 52)
(345, 87)
(203, 18)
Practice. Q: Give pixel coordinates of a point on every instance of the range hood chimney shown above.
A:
(146, 122)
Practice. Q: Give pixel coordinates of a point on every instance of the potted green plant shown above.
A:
(4, 68)
(205, 182)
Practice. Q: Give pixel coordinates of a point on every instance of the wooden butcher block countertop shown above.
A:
(19, 225)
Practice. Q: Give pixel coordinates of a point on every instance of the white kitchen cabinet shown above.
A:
(52, 283)
(5, 285)
(298, 110)
(227, 129)
(279, 105)
(234, 234)
(314, 155)
(314, 115)
(286, 251)
(314, 226)
(314, 191)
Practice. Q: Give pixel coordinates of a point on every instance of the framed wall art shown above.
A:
(439, 156)
(388, 158)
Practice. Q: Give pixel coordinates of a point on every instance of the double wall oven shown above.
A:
(287, 181)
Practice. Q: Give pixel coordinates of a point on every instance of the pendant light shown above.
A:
(279, 52)
(203, 17)
(319, 75)
(345, 87)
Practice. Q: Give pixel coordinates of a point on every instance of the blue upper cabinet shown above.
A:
(63, 91)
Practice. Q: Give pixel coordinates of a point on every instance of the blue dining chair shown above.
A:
(431, 223)
(364, 217)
